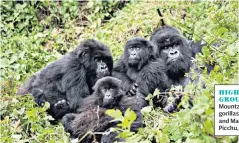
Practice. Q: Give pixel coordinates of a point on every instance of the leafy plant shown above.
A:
(125, 121)
(28, 123)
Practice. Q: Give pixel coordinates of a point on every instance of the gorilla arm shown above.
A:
(119, 72)
(153, 76)
(75, 87)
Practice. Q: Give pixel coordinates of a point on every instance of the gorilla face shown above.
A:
(137, 52)
(176, 53)
(96, 58)
(108, 94)
(134, 55)
(109, 90)
(101, 67)
(174, 49)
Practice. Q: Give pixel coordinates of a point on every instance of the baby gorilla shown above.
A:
(107, 94)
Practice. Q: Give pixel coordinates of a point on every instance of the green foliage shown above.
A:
(28, 123)
(125, 121)
(28, 56)
(37, 32)
(102, 11)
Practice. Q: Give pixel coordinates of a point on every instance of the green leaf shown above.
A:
(129, 118)
(146, 110)
(97, 9)
(4, 63)
(115, 113)
(232, 49)
(156, 92)
(208, 126)
(13, 58)
(125, 134)
(205, 51)
(90, 4)
(222, 30)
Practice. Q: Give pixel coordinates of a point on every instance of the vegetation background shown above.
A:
(34, 33)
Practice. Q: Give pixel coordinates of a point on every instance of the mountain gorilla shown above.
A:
(139, 66)
(108, 94)
(175, 50)
(66, 81)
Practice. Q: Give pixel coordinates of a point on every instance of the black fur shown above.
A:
(70, 78)
(91, 115)
(148, 72)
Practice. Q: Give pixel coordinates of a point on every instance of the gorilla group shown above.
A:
(108, 94)
(77, 83)
(137, 66)
(66, 81)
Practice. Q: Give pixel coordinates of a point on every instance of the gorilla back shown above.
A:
(66, 81)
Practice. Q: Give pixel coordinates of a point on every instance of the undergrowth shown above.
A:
(36, 33)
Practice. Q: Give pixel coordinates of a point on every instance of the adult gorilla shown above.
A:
(108, 94)
(139, 65)
(176, 51)
(66, 81)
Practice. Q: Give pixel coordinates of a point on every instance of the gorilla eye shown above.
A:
(84, 53)
(137, 48)
(105, 89)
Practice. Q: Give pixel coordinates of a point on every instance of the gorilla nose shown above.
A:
(174, 53)
(108, 95)
(103, 67)
(133, 55)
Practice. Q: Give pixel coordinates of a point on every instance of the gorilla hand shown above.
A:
(133, 90)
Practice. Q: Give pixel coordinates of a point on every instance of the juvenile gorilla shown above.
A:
(139, 65)
(108, 94)
(66, 81)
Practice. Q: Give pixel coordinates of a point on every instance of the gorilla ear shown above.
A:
(119, 82)
(95, 87)
(152, 50)
(82, 53)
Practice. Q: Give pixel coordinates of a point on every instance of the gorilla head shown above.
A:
(138, 51)
(174, 49)
(109, 91)
(96, 57)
